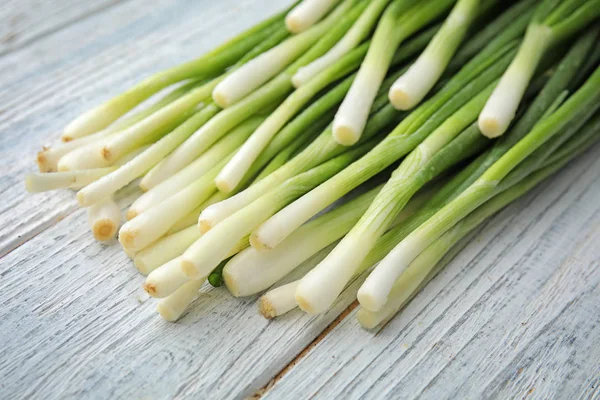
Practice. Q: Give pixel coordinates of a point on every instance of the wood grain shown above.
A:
(75, 323)
(24, 21)
(50, 82)
(515, 314)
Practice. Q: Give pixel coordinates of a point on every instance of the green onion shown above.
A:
(373, 293)
(351, 39)
(165, 280)
(171, 308)
(207, 66)
(165, 249)
(397, 23)
(145, 228)
(41, 182)
(212, 248)
(252, 271)
(401, 141)
(197, 168)
(104, 219)
(560, 81)
(551, 23)
(259, 70)
(118, 179)
(412, 87)
(278, 301)
(49, 158)
(428, 262)
(307, 13)
(320, 150)
(319, 289)
(234, 171)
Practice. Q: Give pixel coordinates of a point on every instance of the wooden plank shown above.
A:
(516, 313)
(75, 323)
(24, 21)
(44, 86)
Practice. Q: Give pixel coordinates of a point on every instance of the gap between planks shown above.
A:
(281, 374)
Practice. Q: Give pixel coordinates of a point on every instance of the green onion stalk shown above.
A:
(412, 87)
(324, 284)
(468, 82)
(270, 94)
(48, 159)
(374, 292)
(400, 20)
(427, 264)
(269, 64)
(430, 117)
(206, 253)
(197, 168)
(118, 179)
(383, 115)
(207, 66)
(421, 270)
(307, 13)
(252, 271)
(553, 22)
(355, 35)
(231, 175)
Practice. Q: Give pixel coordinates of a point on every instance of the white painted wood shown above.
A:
(515, 314)
(48, 83)
(75, 322)
(24, 21)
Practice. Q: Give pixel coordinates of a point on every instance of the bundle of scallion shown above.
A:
(249, 147)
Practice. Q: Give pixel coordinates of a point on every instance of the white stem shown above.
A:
(172, 307)
(273, 231)
(215, 245)
(165, 280)
(84, 157)
(90, 122)
(424, 265)
(351, 117)
(48, 158)
(104, 219)
(163, 120)
(278, 301)
(232, 174)
(307, 13)
(259, 70)
(187, 221)
(40, 182)
(321, 286)
(251, 271)
(253, 74)
(142, 230)
(165, 249)
(351, 39)
(194, 146)
(412, 87)
(501, 107)
(373, 294)
(137, 166)
(197, 168)
(218, 212)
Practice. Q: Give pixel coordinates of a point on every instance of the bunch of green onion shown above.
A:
(248, 157)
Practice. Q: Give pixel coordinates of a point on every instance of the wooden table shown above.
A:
(516, 314)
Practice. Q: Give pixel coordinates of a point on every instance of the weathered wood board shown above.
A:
(516, 314)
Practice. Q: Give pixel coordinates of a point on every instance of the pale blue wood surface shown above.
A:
(517, 311)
